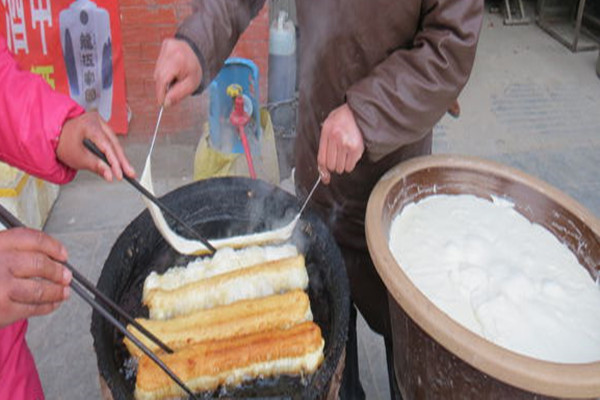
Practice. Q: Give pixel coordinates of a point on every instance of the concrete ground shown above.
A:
(530, 103)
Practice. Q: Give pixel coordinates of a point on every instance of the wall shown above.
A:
(144, 24)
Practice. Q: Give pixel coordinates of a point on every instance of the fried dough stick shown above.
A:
(239, 318)
(258, 281)
(209, 365)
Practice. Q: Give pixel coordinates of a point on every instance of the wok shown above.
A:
(222, 207)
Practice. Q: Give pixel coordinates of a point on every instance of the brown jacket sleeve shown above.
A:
(406, 94)
(213, 30)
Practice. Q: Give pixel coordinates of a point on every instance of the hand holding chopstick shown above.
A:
(80, 283)
(95, 150)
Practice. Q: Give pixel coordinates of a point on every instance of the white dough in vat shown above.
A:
(499, 275)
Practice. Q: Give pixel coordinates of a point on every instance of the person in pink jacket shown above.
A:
(41, 132)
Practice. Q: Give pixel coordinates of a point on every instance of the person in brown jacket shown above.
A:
(375, 76)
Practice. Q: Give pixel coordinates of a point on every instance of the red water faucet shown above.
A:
(239, 118)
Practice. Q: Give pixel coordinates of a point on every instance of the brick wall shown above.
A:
(144, 24)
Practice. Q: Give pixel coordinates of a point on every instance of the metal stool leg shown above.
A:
(521, 19)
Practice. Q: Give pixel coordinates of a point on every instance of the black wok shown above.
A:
(222, 207)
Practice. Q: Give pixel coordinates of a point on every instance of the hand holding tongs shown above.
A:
(78, 284)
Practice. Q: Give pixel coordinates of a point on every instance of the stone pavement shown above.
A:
(530, 103)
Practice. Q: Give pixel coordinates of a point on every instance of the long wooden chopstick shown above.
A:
(138, 186)
(80, 283)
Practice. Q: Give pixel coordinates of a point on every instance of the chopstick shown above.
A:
(138, 186)
(78, 284)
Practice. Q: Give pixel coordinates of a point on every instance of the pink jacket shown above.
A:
(31, 119)
(19, 378)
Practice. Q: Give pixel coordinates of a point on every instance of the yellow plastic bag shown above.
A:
(28, 198)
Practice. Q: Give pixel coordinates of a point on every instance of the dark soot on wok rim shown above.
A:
(222, 207)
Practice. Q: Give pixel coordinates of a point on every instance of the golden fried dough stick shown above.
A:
(239, 318)
(208, 365)
(223, 261)
(258, 281)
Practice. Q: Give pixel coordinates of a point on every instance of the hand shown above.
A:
(32, 282)
(177, 66)
(72, 152)
(341, 144)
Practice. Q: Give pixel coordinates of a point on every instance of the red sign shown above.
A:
(75, 45)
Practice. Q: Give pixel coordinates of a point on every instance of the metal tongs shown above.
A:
(309, 195)
(79, 284)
